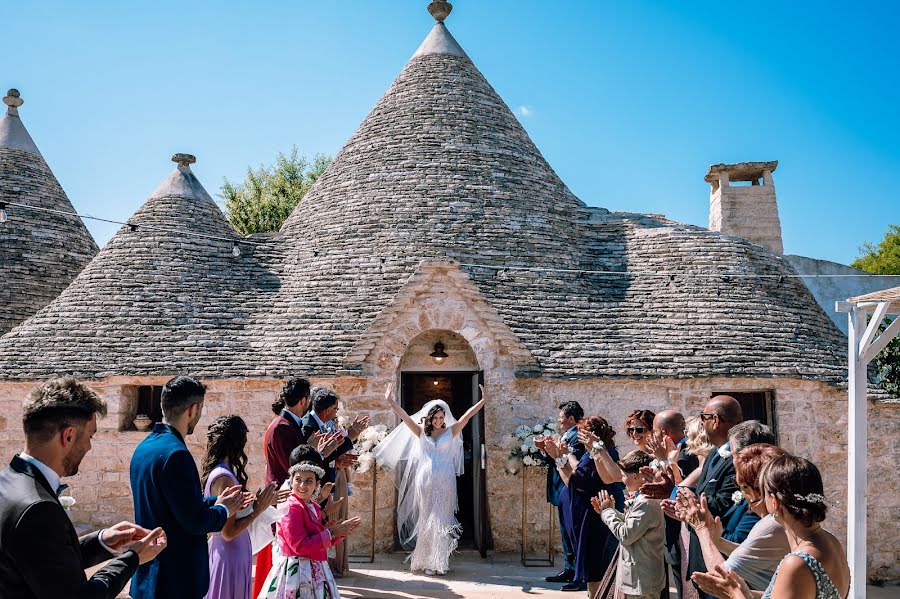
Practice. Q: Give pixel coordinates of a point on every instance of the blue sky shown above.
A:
(628, 101)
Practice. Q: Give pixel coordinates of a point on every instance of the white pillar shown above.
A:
(857, 448)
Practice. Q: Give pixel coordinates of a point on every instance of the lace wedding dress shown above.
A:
(424, 471)
(438, 528)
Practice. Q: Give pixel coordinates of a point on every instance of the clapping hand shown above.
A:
(265, 498)
(722, 582)
(283, 494)
(587, 438)
(149, 546)
(603, 501)
(697, 514)
(661, 447)
(345, 460)
(360, 423)
(123, 533)
(661, 484)
(325, 443)
(233, 499)
(342, 529)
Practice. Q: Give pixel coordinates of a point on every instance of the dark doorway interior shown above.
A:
(458, 390)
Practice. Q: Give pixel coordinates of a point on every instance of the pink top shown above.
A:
(301, 532)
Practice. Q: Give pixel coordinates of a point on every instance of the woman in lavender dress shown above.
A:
(230, 551)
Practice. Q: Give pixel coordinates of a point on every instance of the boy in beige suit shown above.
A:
(640, 530)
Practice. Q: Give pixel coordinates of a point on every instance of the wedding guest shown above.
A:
(640, 530)
(167, 493)
(639, 428)
(740, 519)
(717, 476)
(302, 569)
(570, 414)
(594, 544)
(670, 447)
(757, 557)
(230, 551)
(285, 431)
(697, 444)
(816, 567)
(40, 552)
(320, 420)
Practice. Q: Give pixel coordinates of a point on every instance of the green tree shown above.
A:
(268, 195)
(883, 259)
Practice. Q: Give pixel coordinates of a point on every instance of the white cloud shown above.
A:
(524, 111)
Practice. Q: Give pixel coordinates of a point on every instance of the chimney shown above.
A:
(742, 202)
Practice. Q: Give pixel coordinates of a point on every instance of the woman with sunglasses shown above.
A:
(639, 428)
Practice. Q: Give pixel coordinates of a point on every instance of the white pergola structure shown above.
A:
(864, 343)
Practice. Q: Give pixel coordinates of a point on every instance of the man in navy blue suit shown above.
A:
(570, 414)
(167, 493)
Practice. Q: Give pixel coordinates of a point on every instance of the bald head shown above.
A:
(669, 423)
(728, 413)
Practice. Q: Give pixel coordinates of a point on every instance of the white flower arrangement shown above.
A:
(522, 450)
(737, 497)
(367, 441)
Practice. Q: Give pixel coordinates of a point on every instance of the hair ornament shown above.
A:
(811, 498)
(306, 467)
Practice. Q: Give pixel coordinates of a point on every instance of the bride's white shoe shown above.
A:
(429, 572)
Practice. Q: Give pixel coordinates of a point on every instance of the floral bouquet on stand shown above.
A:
(368, 440)
(522, 451)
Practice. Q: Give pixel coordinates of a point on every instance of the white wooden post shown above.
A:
(857, 475)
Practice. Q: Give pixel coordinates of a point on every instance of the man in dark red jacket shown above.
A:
(285, 431)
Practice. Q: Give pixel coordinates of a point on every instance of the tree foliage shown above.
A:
(883, 259)
(266, 197)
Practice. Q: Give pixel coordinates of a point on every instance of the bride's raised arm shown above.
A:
(412, 424)
(462, 422)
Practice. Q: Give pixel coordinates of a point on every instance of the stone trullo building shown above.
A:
(440, 222)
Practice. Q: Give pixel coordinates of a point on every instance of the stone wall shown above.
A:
(747, 211)
(811, 422)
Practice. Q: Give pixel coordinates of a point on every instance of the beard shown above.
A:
(71, 464)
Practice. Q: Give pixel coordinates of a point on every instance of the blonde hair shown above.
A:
(697, 442)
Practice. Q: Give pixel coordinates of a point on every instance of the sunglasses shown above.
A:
(634, 430)
(706, 416)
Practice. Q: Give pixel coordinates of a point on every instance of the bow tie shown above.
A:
(60, 489)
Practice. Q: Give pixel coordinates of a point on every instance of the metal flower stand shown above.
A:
(368, 559)
(529, 562)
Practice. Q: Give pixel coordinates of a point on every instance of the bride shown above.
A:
(426, 456)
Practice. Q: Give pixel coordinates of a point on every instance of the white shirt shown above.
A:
(53, 478)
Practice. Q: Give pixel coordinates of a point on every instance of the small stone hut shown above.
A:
(441, 222)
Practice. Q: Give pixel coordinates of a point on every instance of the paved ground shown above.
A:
(471, 577)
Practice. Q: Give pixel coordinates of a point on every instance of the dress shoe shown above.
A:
(575, 586)
(564, 576)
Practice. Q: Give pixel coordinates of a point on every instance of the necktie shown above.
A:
(60, 489)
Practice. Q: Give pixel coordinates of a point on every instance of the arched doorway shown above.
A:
(454, 379)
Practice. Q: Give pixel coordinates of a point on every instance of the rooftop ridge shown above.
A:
(13, 133)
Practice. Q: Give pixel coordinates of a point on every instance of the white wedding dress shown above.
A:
(425, 472)
(438, 528)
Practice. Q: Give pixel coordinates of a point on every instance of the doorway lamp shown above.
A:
(439, 355)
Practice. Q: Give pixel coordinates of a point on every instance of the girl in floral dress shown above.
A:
(304, 538)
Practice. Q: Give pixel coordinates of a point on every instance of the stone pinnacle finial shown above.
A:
(184, 161)
(440, 10)
(13, 100)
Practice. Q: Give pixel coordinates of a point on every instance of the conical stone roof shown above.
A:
(41, 252)
(165, 295)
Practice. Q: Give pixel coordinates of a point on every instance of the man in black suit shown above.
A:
(320, 419)
(668, 434)
(717, 477)
(40, 553)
